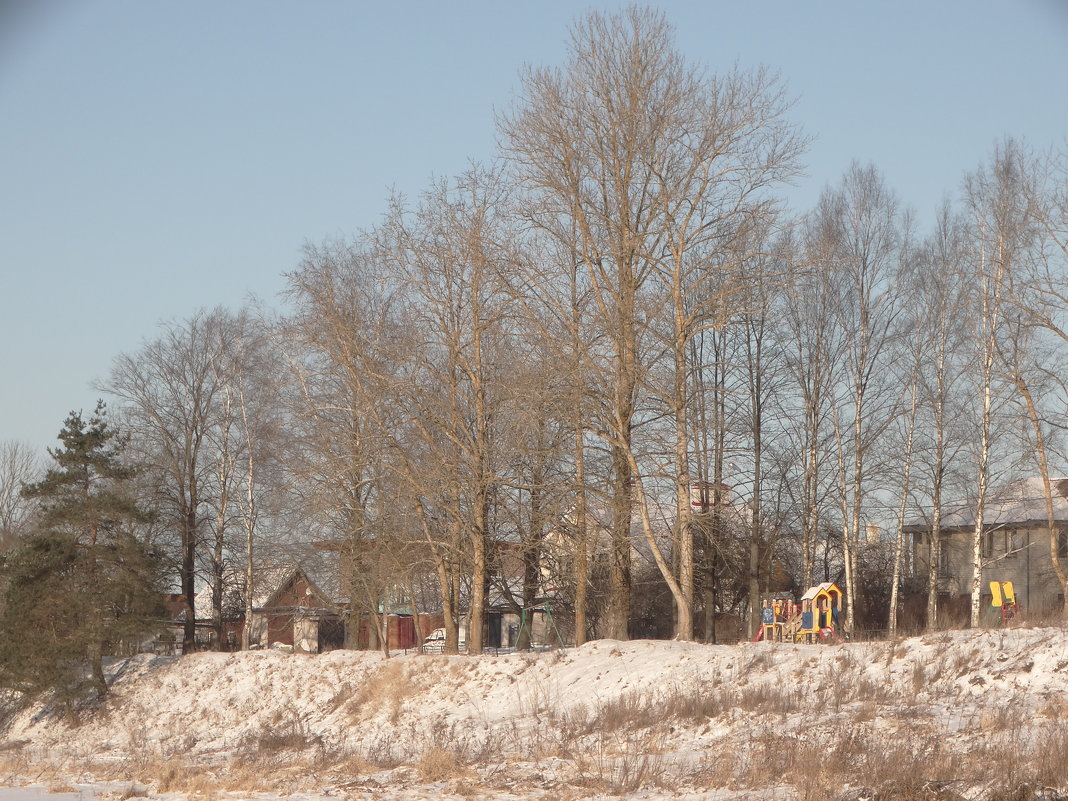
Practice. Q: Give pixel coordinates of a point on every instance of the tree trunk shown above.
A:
(189, 549)
(899, 543)
(96, 665)
(935, 549)
(250, 572)
(617, 616)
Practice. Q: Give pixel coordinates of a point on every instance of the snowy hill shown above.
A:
(963, 714)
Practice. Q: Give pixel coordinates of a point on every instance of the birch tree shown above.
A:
(941, 294)
(344, 342)
(1035, 287)
(868, 237)
(1032, 212)
(1002, 228)
(813, 354)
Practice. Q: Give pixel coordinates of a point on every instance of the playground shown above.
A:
(812, 619)
(815, 618)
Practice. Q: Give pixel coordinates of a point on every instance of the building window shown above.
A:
(988, 544)
(1015, 542)
(1062, 544)
(943, 560)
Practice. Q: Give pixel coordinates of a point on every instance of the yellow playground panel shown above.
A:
(814, 619)
(1003, 597)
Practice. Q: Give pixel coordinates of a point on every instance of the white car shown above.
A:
(434, 642)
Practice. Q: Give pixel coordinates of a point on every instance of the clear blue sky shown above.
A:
(159, 157)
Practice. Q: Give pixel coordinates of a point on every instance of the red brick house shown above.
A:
(292, 610)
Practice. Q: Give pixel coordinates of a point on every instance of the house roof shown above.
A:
(269, 582)
(826, 587)
(1019, 502)
(269, 592)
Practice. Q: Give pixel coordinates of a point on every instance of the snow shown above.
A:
(642, 719)
(41, 794)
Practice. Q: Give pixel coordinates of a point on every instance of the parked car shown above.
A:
(434, 642)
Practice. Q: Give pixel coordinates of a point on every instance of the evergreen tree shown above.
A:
(82, 581)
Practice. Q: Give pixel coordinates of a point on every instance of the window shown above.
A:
(1062, 544)
(943, 560)
(1016, 541)
(1000, 542)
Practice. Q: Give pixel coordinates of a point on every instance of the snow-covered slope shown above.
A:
(966, 713)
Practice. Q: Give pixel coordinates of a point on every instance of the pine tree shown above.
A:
(82, 582)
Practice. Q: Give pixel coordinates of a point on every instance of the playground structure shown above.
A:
(526, 622)
(813, 619)
(1003, 599)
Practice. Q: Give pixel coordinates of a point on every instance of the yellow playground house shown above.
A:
(814, 619)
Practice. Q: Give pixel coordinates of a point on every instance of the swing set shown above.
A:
(526, 620)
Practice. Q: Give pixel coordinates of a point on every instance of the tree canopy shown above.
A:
(81, 583)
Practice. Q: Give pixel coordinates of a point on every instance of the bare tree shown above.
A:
(341, 344)
(1034, 287)
(941, 294)
(551, 295)
(172, 391)
(713, 369)
(640, 164)
(909, 420)
(19, 465)
(450, 253)
(866, 241)
(253, 442)
(1003, 229)
(762, 377)
(814, 346)
(1028, 208)
(1038, 284)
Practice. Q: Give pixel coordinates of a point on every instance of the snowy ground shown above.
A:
(42, 794)
(974, 715)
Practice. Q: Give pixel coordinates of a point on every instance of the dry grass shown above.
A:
(177, 776)
(831, 732)
(643, 709)
(624, 747)
(385, 689)
(820, 767)
(540, 701)
(210, 780)
(60, 786)
(380, 753)
(438, 763)
(620, 764)
(289, 735)
(767, 699)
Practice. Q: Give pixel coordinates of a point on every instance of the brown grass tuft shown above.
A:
(438, 763)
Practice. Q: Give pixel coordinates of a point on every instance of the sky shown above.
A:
(157, 158)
